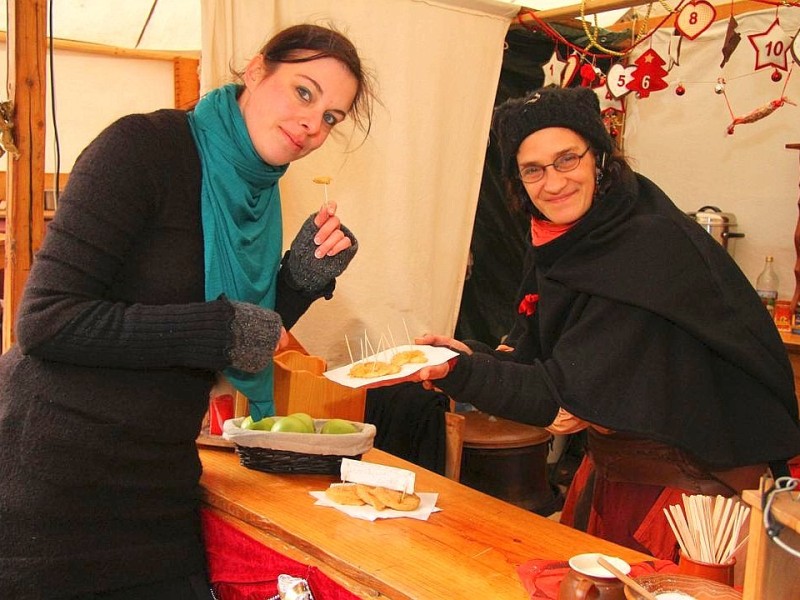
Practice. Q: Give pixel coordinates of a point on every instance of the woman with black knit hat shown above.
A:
(633, 324)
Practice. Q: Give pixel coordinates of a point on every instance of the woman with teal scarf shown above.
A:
(163, 268)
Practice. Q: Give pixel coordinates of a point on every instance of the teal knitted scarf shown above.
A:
(242, 228)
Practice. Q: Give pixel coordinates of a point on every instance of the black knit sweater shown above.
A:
(103, 397)
(644, 325)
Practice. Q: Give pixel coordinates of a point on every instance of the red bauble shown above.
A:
(776, 75)
(680, 90)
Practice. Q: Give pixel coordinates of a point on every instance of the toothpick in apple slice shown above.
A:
(408, 337)
(349, 352)
(325, 181)
(395, 349)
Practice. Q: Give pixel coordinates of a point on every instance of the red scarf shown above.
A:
(546, 231)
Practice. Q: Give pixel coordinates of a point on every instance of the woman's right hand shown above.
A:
(427, 374)
(430, 339)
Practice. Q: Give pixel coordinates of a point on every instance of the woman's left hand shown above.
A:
(330, 239)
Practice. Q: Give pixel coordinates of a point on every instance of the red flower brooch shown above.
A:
(528, 305)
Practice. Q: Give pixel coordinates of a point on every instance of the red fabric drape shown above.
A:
(542, 578)
(241, 568)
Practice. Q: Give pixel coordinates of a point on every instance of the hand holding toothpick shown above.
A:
(325, 181)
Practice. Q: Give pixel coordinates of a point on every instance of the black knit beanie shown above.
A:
(574, 108)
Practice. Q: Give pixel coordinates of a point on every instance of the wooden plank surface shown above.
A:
(470, 549)
(772, 572)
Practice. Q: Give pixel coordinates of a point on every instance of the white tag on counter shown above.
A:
(358, 471)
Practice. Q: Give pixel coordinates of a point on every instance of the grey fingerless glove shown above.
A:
(309, 273)
(256, 332)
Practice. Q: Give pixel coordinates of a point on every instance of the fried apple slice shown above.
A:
(344, 493)
(409, 356)
(375, 368)
(396, 500)
(366, 493)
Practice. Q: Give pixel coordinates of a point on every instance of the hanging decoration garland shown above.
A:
(592, 36)
(693, 18)
(757, 114)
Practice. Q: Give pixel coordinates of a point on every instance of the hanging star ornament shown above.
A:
(771, 47)
(553, 70)
(732, 39)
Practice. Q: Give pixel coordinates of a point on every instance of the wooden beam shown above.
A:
(592, 7)
(27, 42)
(102, 49)
(574, 10)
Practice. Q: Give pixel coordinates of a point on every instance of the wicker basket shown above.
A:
(283, 461)
(308, 453)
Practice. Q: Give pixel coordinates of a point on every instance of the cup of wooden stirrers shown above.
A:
(708, 531)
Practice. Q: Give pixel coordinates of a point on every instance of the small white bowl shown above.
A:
(587, 565)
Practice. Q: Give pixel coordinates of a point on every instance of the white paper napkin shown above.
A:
(427, 505)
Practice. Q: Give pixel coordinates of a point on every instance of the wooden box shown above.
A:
(300, 386)
(772, 573)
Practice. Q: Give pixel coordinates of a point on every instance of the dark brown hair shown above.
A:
(292, 46)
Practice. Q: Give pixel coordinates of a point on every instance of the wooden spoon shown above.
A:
(629, 581)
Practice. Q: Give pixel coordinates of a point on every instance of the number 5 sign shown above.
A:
(771, 47)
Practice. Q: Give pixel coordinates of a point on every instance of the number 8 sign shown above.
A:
(695, 18)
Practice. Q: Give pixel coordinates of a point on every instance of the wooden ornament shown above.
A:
(695, 18)
(570, 69)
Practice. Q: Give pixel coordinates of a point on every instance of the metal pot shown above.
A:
(721, 226)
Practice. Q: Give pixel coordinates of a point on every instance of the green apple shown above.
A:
(264, 424)
(246, 422)
(338, 426)
(306, 419)
(290, 424)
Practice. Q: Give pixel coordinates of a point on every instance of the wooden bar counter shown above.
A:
(470, 549)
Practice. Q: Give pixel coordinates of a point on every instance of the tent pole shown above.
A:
(27, 43)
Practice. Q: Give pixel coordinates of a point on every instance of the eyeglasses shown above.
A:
(563, 164)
